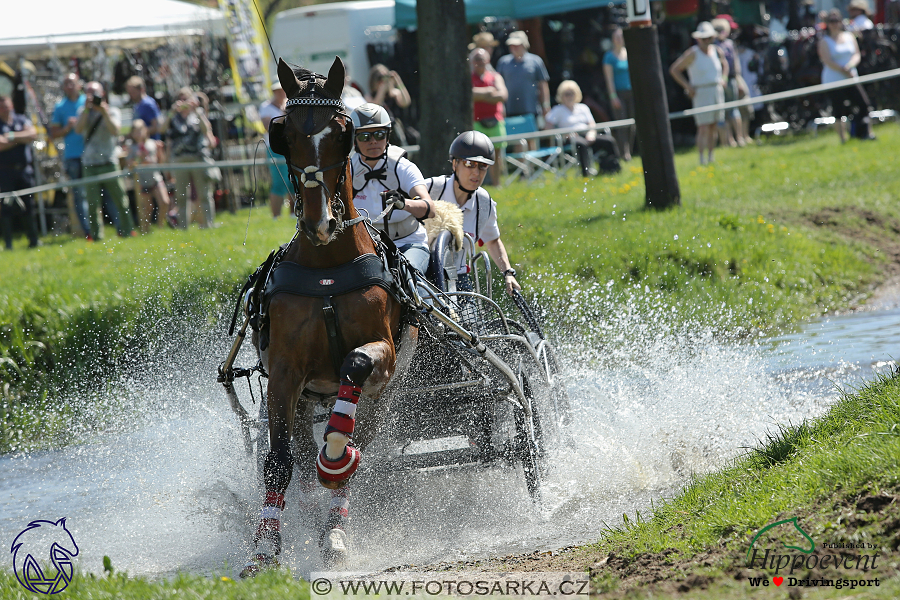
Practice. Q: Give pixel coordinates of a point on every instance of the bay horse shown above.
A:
(321, 344)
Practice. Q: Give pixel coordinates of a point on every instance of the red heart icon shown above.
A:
(778, 580)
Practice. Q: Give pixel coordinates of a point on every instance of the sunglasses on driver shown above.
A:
(471, 164)
(365, 136)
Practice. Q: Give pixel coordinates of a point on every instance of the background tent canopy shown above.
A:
(40, 24)
(476, 10)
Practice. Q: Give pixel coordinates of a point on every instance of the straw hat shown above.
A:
(704, 30)
(483, 39)
(862, 5)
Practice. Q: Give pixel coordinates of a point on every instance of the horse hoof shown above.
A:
(259, 562)
(335, 549)
(334, 474)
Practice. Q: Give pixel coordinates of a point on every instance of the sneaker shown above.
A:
(172, 220)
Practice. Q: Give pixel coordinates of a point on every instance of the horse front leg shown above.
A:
(277, 472)
(370, 365)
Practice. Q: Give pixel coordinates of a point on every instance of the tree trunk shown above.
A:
(445, 89)
(651, 108)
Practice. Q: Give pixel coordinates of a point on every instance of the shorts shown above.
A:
(496, 131)
(280, 179)
(707, 96)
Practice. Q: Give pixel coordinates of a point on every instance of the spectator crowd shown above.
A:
(510, 90)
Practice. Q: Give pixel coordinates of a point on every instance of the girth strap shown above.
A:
(334, 335)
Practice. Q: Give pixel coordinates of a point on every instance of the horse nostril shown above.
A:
(332, 225)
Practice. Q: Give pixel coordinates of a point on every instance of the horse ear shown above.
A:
(335, 81)
(288, 80)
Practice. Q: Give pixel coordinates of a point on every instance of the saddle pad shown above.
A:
(363, 271)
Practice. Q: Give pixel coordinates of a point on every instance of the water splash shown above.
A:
(168, 487)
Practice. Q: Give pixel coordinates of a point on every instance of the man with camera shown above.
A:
(99, 123)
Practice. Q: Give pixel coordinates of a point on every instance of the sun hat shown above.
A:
(721, 25)
(862, 5)
(704, 30)
(518, 38)
(482, 39)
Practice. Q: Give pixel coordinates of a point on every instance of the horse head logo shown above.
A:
(793, 521)
(32, 547)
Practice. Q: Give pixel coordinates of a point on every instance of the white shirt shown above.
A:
(560, 116)
(369, 197)
(267, 109)
(488, 231)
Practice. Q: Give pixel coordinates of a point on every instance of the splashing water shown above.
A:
(171, 488)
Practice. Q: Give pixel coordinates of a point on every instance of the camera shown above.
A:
(97, 100)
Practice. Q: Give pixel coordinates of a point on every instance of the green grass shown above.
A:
(797, 227)
(118, 586)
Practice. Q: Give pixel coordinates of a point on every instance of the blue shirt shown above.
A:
(147, 110)
(522, 78)
(621, 78)
(66, 108)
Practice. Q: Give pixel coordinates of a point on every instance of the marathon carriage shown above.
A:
(351, 337)
(490, 382)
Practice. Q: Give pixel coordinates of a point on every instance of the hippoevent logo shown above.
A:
(42, 556)
(801, 553)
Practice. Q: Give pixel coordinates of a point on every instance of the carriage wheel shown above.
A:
(529, 448)
(262, 444)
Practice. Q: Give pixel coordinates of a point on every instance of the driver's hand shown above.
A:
(393, 198)
(512, 284)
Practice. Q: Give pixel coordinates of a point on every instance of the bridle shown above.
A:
(312, 176)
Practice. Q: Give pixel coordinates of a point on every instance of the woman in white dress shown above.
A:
(708, 70)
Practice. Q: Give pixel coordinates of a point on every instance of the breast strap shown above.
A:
(361, 272)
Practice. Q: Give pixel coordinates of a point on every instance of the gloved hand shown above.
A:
(393, 198)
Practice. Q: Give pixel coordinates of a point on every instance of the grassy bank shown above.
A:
(837, 474)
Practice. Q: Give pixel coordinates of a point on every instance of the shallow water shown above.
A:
(175, 491)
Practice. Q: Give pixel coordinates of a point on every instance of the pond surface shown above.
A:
(175, 490)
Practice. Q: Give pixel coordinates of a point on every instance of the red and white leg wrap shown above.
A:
(334, 473)
(270, 520)
(343, 415)
(340, 506)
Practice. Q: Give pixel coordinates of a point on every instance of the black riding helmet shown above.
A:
(474, 146)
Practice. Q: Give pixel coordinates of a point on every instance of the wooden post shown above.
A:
(445, 88)
(651, 108)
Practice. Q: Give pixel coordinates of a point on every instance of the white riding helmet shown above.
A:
(370, 116)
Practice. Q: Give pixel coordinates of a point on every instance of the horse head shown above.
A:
(316, 137)
(40, 541)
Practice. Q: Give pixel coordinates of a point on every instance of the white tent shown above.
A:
(41, 28)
